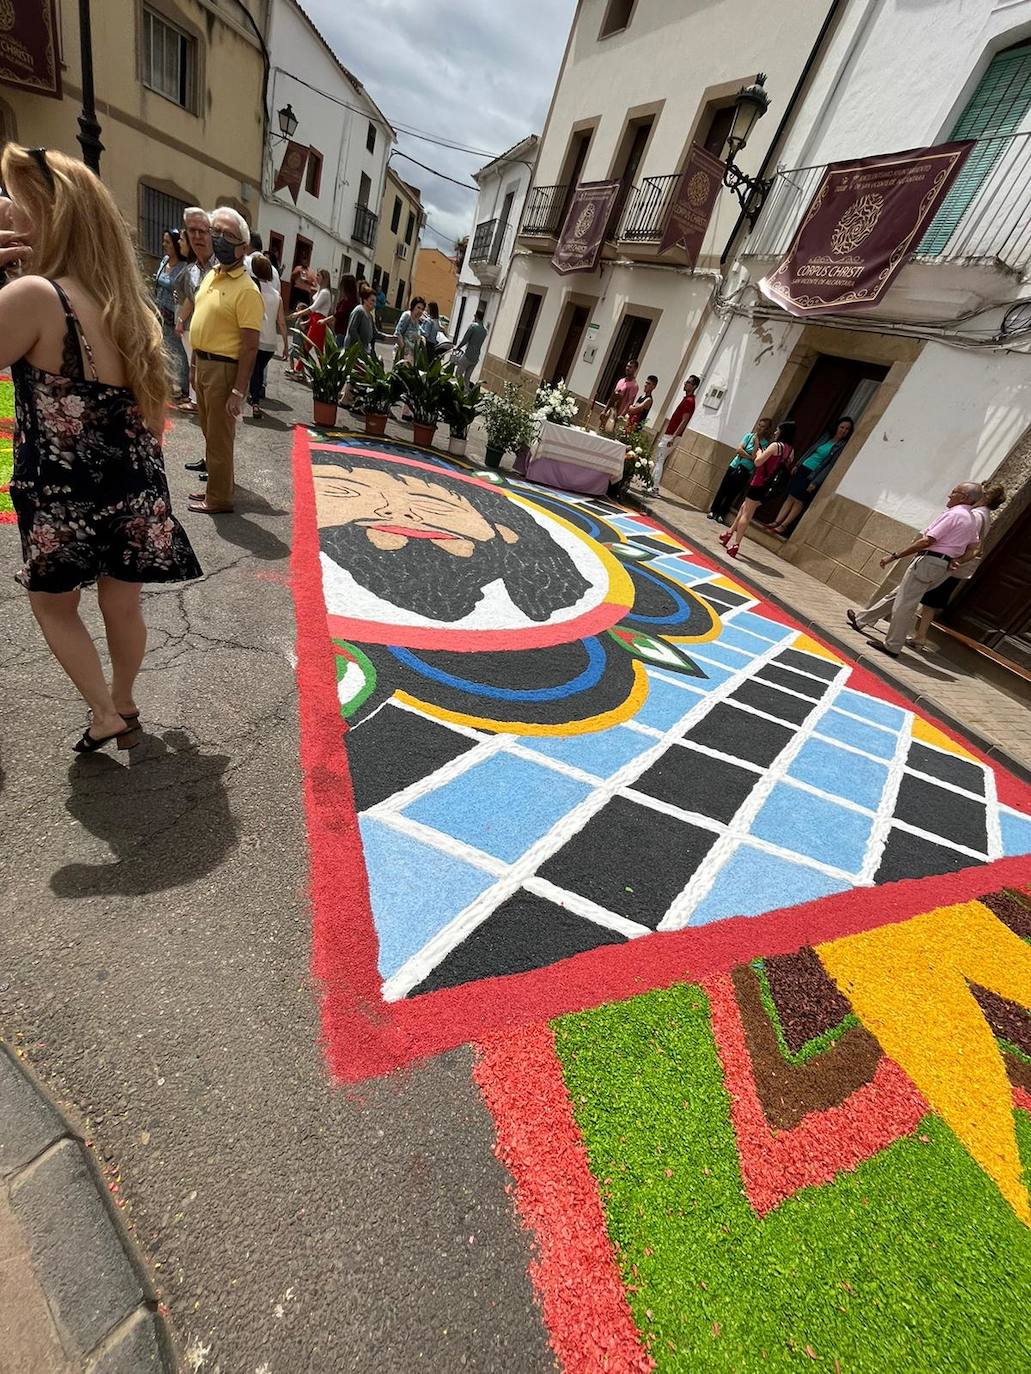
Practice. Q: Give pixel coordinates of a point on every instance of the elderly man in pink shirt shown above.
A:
(943, 541)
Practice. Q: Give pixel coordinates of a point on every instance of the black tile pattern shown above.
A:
(395, 748)
(941, 812)
(910, 856)
(959, 772)
(525, 932)
(630, 859)
(795, 682)
(740, 734)
(697, 782)
(808, 663)
(772, 701)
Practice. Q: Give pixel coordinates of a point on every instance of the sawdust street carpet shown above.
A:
(740, 935)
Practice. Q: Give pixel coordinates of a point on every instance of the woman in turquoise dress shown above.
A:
(808, 477)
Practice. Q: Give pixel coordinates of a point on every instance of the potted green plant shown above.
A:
(327, 369)
(508, 422)
(463, 402)
(424, 388)
(376, 390)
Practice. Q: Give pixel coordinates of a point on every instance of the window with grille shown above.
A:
(169, 60)
(370, 137)
(364, 189)
(524, 328)
(395, 218)
(995, 111)
(158, 212)
(313, 173)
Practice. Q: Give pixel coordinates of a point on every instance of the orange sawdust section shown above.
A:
(810, 646)
(909, 985)
(929, 734)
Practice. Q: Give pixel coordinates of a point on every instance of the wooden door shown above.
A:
(996, 607)
(575, 326)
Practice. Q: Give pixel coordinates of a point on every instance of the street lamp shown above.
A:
(752, 102)
(287, 121)
(89, 129)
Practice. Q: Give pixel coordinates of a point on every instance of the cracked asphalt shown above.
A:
(154, 969)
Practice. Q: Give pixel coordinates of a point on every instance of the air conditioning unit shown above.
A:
(402, 250)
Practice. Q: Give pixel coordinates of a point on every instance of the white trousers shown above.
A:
(901, 606)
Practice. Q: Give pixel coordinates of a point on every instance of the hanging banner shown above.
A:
(692, 204)
(28, 46)
(291, 169)
(865, 220)
(583, 232)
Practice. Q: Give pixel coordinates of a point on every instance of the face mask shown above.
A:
(224, 251)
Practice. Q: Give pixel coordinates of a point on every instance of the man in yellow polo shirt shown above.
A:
(224, 331)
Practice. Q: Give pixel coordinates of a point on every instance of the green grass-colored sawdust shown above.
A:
(911, 1263)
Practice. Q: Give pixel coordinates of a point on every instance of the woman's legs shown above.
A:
(188, 350)
(789, 511)
(740, 525)
(734, 479)
(126, 634)
(924, 620)
(57, 614)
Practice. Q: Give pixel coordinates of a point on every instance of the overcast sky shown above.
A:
(477, 72)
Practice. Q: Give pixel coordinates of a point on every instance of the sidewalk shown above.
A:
(997, 722)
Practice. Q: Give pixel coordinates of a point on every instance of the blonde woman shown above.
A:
(91, 387)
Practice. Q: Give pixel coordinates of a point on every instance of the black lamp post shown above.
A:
(89, 129)
(752, 103)
(287, 121)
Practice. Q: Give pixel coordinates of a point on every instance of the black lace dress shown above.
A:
(89, 484)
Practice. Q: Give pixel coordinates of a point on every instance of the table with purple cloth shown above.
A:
(573, 460)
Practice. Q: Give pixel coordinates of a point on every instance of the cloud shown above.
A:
(476, 73)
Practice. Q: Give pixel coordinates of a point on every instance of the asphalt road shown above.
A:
(154, 965)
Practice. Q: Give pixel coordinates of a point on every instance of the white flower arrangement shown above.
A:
(555, 403)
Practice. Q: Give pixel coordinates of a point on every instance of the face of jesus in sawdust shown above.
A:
(396, 509)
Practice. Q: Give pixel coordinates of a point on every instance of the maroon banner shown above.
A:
(28, 46)
(861, 226)
(691, 207)
(291, 169)
(583, 232)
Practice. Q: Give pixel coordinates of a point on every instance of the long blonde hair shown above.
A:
(79, 233)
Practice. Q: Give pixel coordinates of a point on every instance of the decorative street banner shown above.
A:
(864, 221)
(692, 204)
(583, 233)
(291, 170)
(28, 46)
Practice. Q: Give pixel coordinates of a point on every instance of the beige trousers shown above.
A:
(901, 606)
(215, 382)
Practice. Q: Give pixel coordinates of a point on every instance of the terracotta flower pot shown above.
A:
(325, 413)
(423, 434)
(375, 424)
(493, 456)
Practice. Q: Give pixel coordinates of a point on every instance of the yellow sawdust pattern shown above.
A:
(908, 984)
(809, 646)
(927, 733)
(730, 585)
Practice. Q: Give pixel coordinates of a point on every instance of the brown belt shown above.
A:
(213, 357)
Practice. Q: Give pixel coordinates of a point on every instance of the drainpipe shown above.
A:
(788, 114)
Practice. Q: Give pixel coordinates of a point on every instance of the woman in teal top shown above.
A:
(739, 473)
(810, 473)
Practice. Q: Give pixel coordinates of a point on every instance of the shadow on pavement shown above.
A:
(245, 534)
(165, 816)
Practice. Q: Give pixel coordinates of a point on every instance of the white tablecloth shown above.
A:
(563, 444)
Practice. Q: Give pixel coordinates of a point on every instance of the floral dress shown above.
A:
(89, 483)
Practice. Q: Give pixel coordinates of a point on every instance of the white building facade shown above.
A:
(639, 84)
(333, 224)
(504, 183)
(938, 374)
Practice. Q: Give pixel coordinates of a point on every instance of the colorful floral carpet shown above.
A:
(6, 453)
(741, 936)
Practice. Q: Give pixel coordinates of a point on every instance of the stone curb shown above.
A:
(101, 1299)
(872, 663)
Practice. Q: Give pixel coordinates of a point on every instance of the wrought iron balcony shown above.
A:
(983, 219)
(646, 209)
(545, 210)
(365, 225)
(486, 242)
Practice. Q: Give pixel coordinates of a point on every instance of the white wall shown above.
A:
(954, 419)
(745, 358)
(338, 133)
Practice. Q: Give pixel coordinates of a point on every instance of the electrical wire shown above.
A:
(465, 185)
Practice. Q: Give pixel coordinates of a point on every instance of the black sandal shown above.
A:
(125, 739)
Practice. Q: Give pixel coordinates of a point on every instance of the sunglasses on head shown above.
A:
(39, 156)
